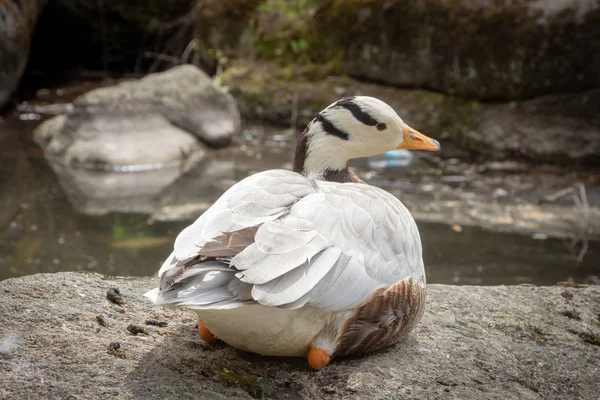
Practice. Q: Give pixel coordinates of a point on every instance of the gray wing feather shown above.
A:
(199, 285)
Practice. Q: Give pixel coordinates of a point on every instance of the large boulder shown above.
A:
(17, 22)
(60, 338)
(121, 147)
(160, 120)
(485, 50)
(481, 50)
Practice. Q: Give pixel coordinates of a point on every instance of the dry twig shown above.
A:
(579, 196)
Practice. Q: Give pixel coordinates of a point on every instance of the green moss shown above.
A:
(380, 40)
(232, 378)
(523, 279)
(507, 317)
(537, 332)
(263, 92)
(453, 118)
(290, 9)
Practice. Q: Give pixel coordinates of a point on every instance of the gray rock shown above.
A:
(478, 50)
(485, 50)
(507, 342)
(143, 124)
(17, 22)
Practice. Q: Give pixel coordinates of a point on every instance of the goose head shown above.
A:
(350, 128)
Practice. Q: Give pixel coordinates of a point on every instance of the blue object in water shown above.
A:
(391, 159)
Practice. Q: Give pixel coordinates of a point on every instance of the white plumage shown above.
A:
(304, 227)
(282, 262)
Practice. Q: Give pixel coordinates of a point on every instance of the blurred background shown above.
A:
(122, 121)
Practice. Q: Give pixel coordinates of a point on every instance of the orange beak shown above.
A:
(415, 140)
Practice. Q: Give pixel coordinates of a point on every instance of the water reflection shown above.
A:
(50, 221)
(14, 175)
(101, 192)
(472, 256)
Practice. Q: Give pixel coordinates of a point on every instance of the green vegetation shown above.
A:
(232, 378)
(288, 8)
(444, 46)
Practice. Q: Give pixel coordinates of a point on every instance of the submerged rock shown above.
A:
(94, 192)
(161, 190)
(17, 22)
(508, 342)
(154, 122)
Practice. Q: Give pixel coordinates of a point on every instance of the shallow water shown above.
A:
(49, 224)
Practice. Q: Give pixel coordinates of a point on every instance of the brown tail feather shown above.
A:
(383, 319)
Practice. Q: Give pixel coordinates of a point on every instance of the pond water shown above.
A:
(48, 226)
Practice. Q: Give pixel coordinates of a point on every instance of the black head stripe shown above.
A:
(331, 129)
(364, 117)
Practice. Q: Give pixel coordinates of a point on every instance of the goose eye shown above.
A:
(381, 126)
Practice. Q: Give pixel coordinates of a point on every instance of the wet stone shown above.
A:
(153, 322)
(114, 346)
(137, 329)
(114, 296)
(101, 321)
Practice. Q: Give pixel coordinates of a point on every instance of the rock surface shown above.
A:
(17, 22)
(485, 50)
(156, 121)
(479, 50)
(61, 338)
(558, 129)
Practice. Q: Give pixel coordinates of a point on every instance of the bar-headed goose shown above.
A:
(311, 263)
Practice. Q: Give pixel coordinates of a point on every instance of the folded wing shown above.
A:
(282, 240)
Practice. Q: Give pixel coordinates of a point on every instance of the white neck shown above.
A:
(324, 153)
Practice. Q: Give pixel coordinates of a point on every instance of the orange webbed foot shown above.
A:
(317, 358)
(206, 334)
